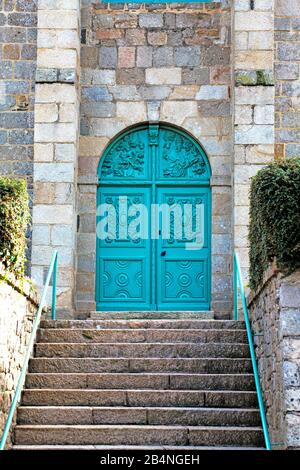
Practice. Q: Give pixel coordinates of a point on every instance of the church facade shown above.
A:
(170, 103)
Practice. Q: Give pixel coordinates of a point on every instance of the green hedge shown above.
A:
(14, 220)
(275, 219)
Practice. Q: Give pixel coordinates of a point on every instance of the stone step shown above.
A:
(153, 416)
(143, 324)
(138, 435)
(133, 398)
(153, 314)
(131, 448)
(141, 350)
(157, 381)
(90, 365)
(64, 335)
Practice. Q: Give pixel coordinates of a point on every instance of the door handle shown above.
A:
(163, 253)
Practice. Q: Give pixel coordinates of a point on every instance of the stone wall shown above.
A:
(169, 63)
(56, 143)
(17, 308)
(275, 314)
(18, 21)
(287, 59)
(253, 107)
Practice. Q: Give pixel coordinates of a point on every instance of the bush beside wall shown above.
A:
(14, 220)
(274, 231)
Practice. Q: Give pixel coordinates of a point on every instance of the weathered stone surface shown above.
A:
(163, 57)
(55, 93)
(135, 112)
(243, 114)
(212, 92)
(287, 71)
(50, 58)
(46, 112)
(261, 40)
(155, 92)
(98, 109)
(289, 292)
(151, 20)
(89, 57)
(163, 76)
(135, 37)
(291, 374)
(285, 8)
(288, 51)
(195, 75)
(153, 111)
(96, 94)
(16, 320)
(293, 438)
(46, 75)
(125, 92)
(217, 108)
(259, 95)
(98, 77)
(58, 20)
(57, 132)
(41, 235)
(126, 57)
(264, 115)
(43, 152)
(175, 112)
(52, 214)
(216, 56)
(278, 353)
(184, 92)
(107, 57)
(253, 21)
(140, 349)
(156, 38)
(144, 56)
(290, 323)
(254, 60)
(17, 71)
(131, 76)
(187, 56)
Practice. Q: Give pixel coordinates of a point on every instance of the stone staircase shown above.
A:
(139, 383)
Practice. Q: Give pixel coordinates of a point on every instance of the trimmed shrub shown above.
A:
(274, 231)
(14, 220)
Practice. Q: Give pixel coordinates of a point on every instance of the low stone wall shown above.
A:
(17, 308)
(275, 314)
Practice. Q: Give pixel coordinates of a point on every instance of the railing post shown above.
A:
(235, 291)
(54, 285)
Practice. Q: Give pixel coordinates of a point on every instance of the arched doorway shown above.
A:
(149, 175)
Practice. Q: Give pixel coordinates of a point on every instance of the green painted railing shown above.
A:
(239, 288)
(36, 322)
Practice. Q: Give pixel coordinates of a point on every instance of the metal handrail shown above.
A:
(239, 286)
(21, 380)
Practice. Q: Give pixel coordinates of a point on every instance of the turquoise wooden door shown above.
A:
(183, 274)
(141, 264)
